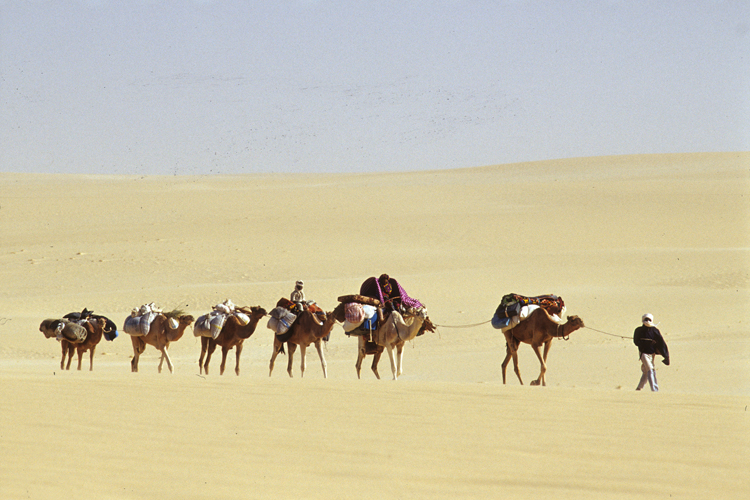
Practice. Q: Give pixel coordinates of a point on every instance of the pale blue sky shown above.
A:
(230, 86)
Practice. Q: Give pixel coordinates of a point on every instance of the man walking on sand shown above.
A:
(650, 343)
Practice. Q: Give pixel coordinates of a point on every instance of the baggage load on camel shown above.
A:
(358, 315)
(139, 325)
(515, 308)
(145, 309)
(368, 325)
(553, 304)
(314, 308)
(354, 313)
(508, 323)
(285, 303)
(217, 323)
(243, 318)
(281, 319)
(72, 332)
(110, 328)
(226, 307)
(360, 299)
(209, 325)
(62, 329)
(509, 307)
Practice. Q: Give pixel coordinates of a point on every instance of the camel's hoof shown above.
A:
(534, 382)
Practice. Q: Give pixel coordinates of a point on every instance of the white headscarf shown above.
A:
(647, 319)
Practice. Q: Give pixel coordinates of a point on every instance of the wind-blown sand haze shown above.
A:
(616, 237)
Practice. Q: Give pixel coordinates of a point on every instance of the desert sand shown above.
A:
(616, 237)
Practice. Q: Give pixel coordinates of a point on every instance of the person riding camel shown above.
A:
(389, 292)
(298, 296)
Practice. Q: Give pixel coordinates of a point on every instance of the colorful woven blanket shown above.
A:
(551, 303)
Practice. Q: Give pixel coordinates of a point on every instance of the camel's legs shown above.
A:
(165, 355)
(238, 348)
(67, 348)
(511, 352)
(393, 361)
(375, 361)
(137, 349)
(277, 346)
(399, 358)
(540, 380)
(508, 355)
(547, 346)
(204, 348)
(360, 356)
(91, 358)
(80, 357)
(292, 347)
(224, 352)
(210, 348)
(515, 366)
(322, 358)
(303, 355)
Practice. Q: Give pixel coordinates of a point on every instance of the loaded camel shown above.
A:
(394, 331)
(160, 334)
(539, 328)
(233, 334)
(427, 326)
(305, 330)
(94, 330)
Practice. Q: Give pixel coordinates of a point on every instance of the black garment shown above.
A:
(649, 341)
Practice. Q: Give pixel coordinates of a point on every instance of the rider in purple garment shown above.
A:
(388, 291)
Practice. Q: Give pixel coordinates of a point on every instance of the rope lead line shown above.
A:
(605, 333)
(485, 322)
(465, 326)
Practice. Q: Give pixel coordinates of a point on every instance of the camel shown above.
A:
(233, 334)
(94, 330)
(377, 350)
(305, 330)
(539, 328)
(160, 334)
(394, 331)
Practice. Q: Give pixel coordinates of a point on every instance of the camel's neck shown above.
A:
(173, 335)
(411, 329)
(246, 331)
(324, 329)
(566, 329)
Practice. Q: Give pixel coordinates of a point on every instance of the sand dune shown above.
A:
(614, 236)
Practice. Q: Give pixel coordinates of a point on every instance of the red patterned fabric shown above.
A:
(354, 313)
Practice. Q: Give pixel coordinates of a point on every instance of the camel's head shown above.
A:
(575, 322)
(257, 312)
(49, 327)
(427, 326)
(186, 320)
(420, 313)
(338, 313)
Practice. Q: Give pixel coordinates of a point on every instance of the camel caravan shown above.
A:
(382, 316)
